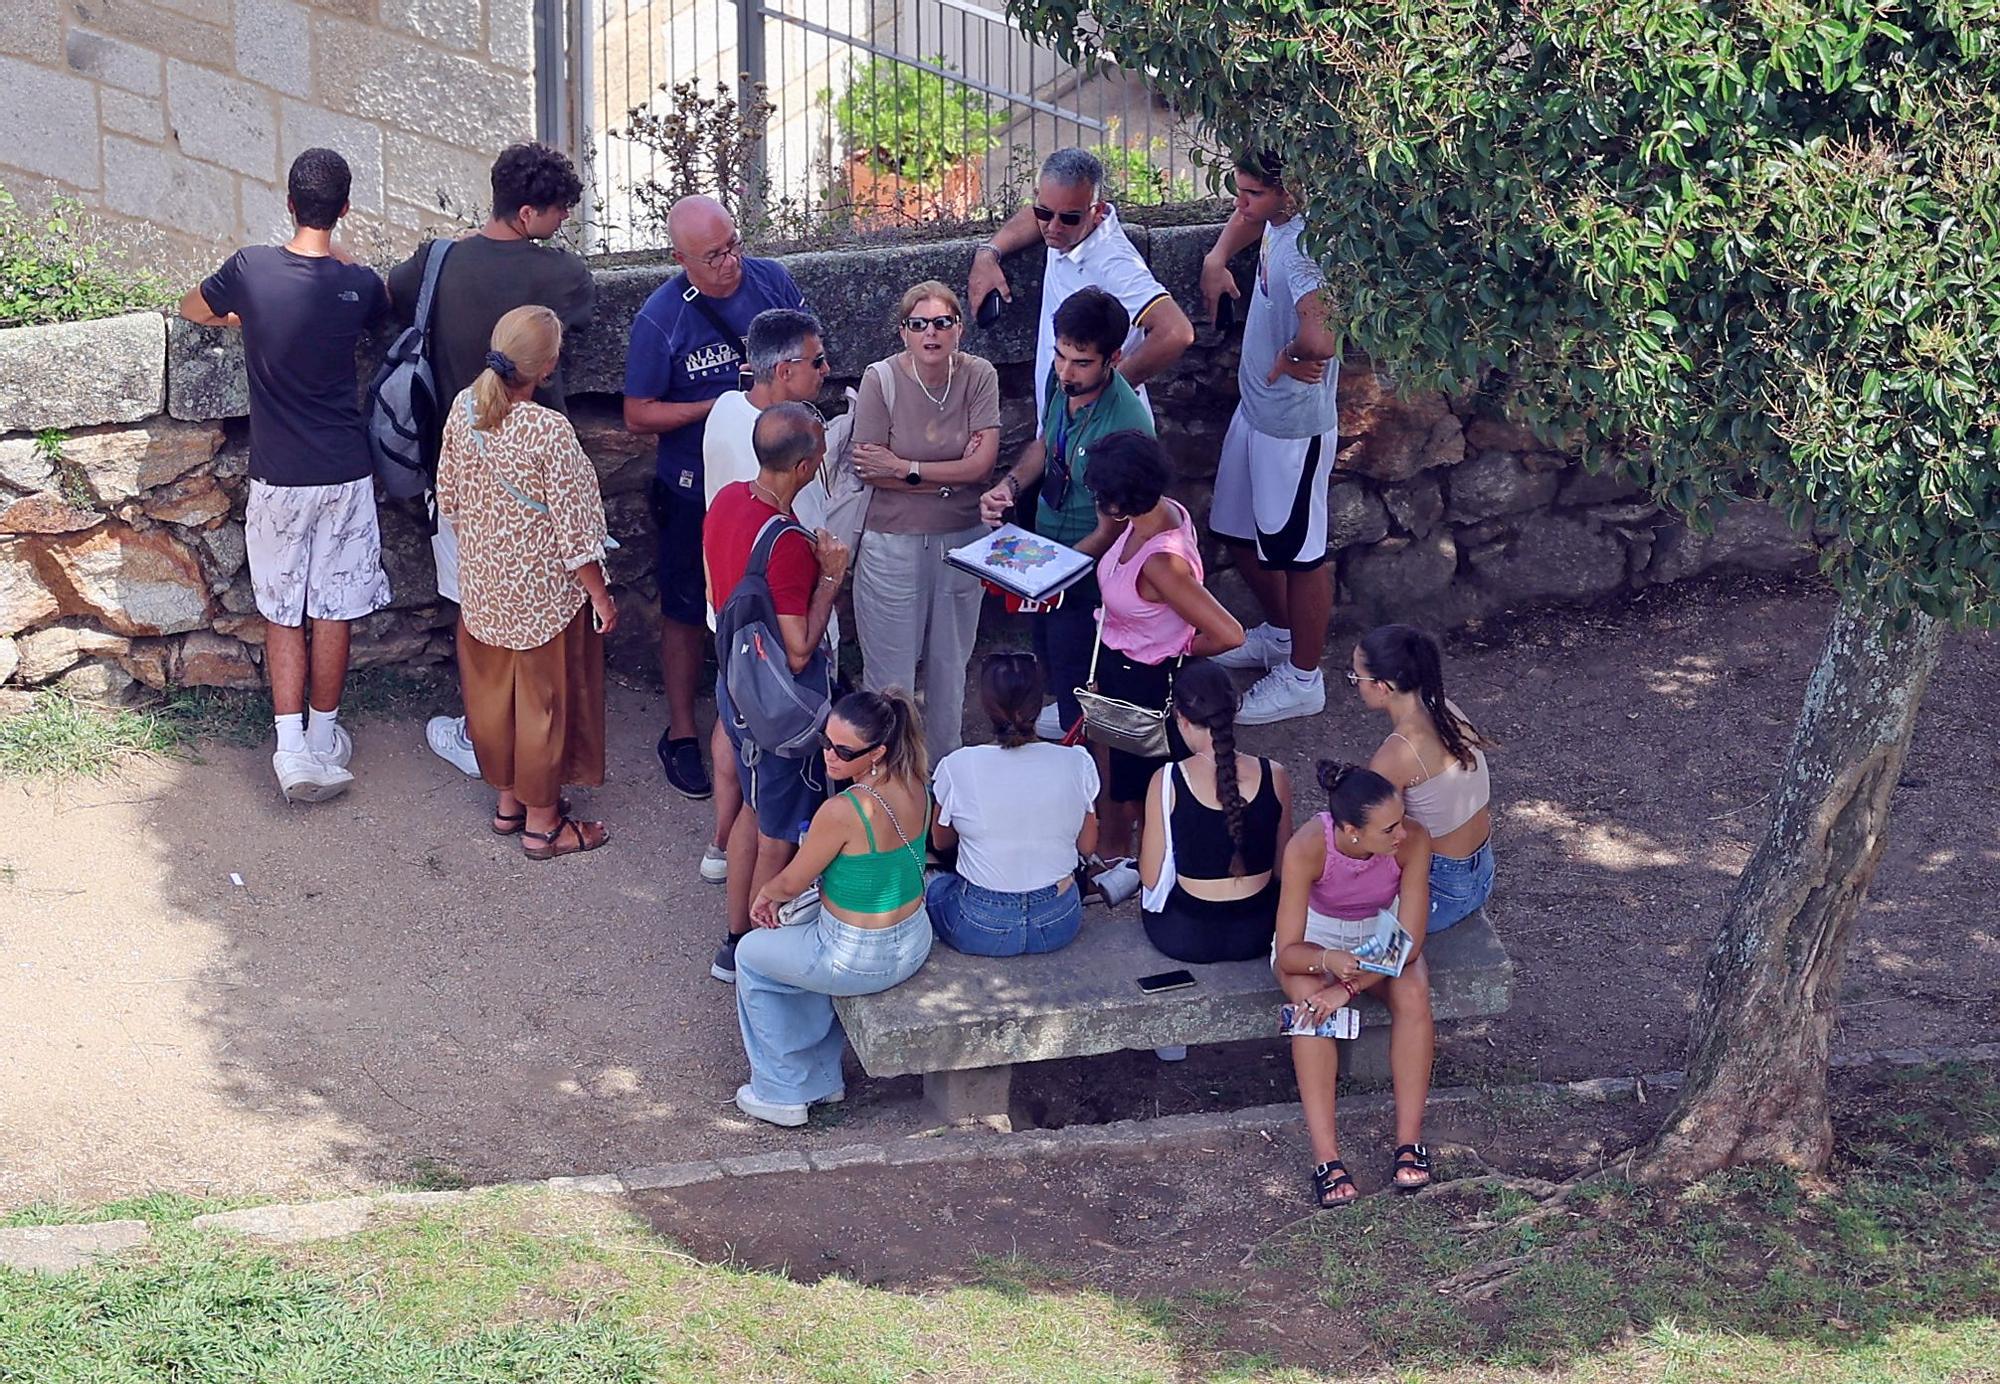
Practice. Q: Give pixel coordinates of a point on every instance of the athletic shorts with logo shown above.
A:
(1270, 493)
(315, 551)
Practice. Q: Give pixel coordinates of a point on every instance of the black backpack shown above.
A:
(404, 411)
(774, 711)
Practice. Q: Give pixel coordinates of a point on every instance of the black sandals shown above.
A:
(1327, 1179)
(1410, 1158)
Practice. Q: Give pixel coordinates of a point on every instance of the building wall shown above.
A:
(175, 120)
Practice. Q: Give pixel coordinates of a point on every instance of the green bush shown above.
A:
(913, 123)
(51, 271)
(1136, 180)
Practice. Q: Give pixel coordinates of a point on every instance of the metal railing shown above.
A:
(811, 115)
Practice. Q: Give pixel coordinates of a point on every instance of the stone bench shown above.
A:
(963, 1022)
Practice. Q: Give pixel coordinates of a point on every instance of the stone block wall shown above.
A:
(175, 120)
(121, 550)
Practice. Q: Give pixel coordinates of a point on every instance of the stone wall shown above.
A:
(175, 120)
(121, 560)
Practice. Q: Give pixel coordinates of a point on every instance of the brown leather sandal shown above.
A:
(517, 822)
(587, 835)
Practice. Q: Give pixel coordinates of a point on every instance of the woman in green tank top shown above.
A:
(869, 930)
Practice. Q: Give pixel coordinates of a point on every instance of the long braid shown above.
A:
(1222, 731)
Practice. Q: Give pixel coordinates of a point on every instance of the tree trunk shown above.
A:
(1756, 1087)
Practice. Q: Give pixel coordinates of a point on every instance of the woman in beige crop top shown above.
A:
(1436, 758)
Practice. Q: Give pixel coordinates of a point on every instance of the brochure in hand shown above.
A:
(1386, 952)
(1022, 563)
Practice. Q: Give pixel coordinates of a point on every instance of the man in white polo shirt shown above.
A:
(1087, 248)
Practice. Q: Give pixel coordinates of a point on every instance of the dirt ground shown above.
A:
(394, 995)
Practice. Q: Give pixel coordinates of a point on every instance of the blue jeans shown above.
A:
(785, 980)
(1459, 887)
(985, 922)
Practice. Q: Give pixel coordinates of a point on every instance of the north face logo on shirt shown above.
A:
(716, 356)
(348, 295)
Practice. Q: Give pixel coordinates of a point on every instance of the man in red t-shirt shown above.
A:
(805, 576)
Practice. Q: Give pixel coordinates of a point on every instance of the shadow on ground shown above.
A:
(394, 995)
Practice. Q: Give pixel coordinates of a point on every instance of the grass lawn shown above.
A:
(1889, 1270)
(57, 737)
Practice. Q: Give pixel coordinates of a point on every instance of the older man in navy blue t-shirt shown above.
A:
(686, 352)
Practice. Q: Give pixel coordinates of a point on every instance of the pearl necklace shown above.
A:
(950, 369)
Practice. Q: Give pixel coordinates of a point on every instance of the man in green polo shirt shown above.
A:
(1085, 398)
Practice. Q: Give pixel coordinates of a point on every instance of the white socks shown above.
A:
(292, 733)
(1299, 675)
(319, 734)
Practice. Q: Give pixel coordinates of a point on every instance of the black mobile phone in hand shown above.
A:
(991, 308)
(1166, 980)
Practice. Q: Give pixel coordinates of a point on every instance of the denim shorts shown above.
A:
(1459, 886)
(986, 922)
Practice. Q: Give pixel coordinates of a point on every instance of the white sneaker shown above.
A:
(1176, 1053)
(304, 777)
(448, 741)
(715, 865)
(342, 753)
(1262, 648)
(1048, 725)
(1118, 883)
(790, 1116)
(1280, 696)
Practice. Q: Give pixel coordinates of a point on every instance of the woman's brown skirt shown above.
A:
(536, 716)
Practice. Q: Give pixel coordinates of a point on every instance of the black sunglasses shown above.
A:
(1068, 218)
(846, 754)
(817, 362)
(944, 322)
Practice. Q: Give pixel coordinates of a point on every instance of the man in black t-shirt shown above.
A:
(309, 523)
(503, 266)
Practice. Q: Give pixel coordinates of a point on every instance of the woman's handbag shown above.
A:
(1137, 730)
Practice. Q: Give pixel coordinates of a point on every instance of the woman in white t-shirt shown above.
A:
(1021, 813)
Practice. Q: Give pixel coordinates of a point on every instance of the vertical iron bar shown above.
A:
(750, 69)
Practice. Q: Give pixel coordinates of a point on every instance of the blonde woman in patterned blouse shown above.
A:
(534, 608)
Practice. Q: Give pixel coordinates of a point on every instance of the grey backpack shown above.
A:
(405, 414)
(775, 712)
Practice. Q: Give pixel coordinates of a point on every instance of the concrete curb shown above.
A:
(63, 1248)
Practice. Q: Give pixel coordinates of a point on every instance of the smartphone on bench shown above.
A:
(1166, 980)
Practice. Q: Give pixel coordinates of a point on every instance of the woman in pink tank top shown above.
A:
(1156, 611)
(1343, 871)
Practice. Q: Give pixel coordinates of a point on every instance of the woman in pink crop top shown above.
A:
(1343, 870)
(1156, 611)
(1439, 761)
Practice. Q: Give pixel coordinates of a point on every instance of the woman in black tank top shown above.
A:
(1210, 870)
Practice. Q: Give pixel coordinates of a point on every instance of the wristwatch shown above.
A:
(913, 476)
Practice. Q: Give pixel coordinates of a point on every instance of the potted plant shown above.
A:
(914, 142)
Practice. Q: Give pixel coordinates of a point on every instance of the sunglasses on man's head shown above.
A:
(846, 754)
(1047, 214)
(944, 322)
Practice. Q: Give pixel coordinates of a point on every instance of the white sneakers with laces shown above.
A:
(1264, 647)
(448, 741)
(1282, 695)
(303, 777)
(1048, 725)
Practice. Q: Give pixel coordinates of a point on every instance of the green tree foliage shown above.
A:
(1742, 249)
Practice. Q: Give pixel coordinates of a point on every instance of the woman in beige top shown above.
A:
(533, 605)
(926, 432)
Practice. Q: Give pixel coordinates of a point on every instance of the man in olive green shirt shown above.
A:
(1085, 398)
